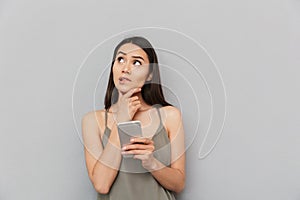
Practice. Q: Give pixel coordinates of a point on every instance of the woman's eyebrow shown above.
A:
(132, 56)
(121, 52)
(138, 57)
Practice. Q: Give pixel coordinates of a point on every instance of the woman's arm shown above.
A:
(173, 177)
(102, 169)
(103, 164)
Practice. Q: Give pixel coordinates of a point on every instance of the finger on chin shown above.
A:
(131, 92)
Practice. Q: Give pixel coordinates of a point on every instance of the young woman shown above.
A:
(134, 93)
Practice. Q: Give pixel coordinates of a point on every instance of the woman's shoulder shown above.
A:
(171, 111)
(94, 115)
(170, 115)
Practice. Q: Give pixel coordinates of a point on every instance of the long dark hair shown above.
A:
(151, 91)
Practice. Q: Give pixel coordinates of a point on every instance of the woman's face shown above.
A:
(131, 68)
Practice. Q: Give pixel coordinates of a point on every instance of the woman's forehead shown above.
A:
(132, 49)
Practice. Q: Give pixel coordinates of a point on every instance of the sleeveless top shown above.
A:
(133, 182)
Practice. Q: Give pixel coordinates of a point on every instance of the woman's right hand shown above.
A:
(127, 105)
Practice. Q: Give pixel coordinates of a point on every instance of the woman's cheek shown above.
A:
(142, 78)
(140, 82)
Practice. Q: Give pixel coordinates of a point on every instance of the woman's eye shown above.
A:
(120, 59)
(136, 62)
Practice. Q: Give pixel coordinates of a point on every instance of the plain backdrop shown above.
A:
(255, 45)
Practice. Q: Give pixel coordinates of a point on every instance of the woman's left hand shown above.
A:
(143, 149)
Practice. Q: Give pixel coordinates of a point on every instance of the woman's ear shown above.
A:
(149, 78)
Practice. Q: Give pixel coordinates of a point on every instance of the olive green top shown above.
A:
(133, 182)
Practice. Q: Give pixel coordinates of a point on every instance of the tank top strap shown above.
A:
(105, 118)
(106, 132)
(159, 115)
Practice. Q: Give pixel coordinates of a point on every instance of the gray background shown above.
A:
(255, 44)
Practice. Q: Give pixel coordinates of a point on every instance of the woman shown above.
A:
(134, 93)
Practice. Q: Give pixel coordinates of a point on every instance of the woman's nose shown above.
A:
(126, 68)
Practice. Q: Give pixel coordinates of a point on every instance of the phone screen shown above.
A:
(128, 130)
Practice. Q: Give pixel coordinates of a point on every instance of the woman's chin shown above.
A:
(124, 90)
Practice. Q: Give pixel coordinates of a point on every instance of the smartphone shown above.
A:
(128, 130)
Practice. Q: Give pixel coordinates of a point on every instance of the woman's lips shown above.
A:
(124, 79)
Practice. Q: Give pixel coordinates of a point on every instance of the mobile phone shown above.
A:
(128, 130)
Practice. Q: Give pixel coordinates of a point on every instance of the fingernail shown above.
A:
(124, 148)
(132, 140)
